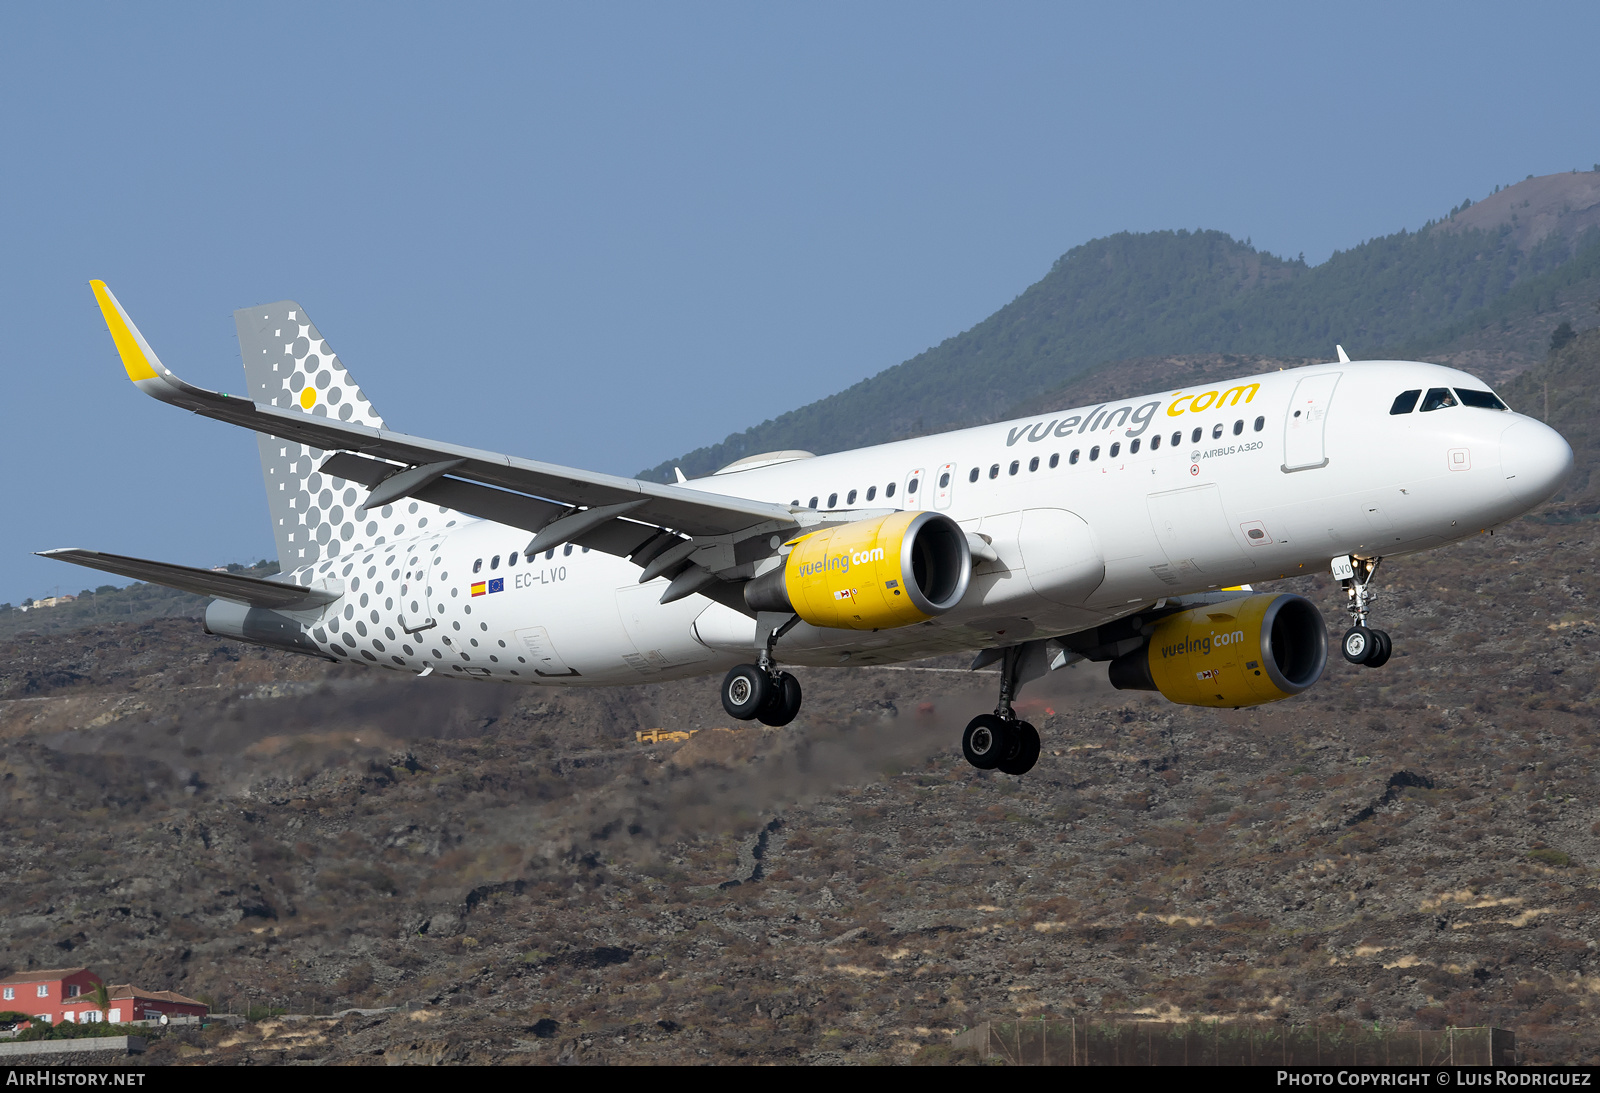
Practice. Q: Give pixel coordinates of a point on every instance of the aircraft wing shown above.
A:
(559, 503)
(202, 582)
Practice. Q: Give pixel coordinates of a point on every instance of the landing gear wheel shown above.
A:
(1027, 754)
(988, 740)
(784, 702)
(1380, 656)
(1360, 645)
(745, 690)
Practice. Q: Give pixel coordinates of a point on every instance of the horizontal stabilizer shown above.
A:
(202, 582)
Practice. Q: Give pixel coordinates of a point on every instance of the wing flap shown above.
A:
(202, 582)
(622, 538)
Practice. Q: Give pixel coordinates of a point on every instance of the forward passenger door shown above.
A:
(1304, 427)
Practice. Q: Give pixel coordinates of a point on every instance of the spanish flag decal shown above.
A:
(479, 588)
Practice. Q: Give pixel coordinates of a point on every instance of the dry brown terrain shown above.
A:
(1416, 845)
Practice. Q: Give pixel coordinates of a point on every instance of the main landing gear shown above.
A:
(998, 741)
(1362, 644)
(751, 693)
(760, 692)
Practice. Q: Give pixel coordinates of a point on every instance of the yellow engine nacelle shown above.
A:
(1240, 652)
(877, 574)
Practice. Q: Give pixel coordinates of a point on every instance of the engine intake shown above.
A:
(1242, 652)
(896, 570)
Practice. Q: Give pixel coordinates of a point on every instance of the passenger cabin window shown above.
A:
(1261, 423)
(850, 498)
(1195, 438)
(1216, 431)
(944, 479)
(1094, 453)
(872, 491)
(1133, 448)
(511, 559)
(477, 566)
(1073, 458)
(1115, 448)
(911, 486)
(1015, 464)
(551, 553)
(1405, 402)
(1482, 400)
(833, 500)
(972, 475)
(888, 491)
(1238, 427)
(1437, 398)
(1177, 438)
(994, 471)
(566, 551)
(811, 504)
(1055, 460)
(1155, 442)
(1033, 464)
(494, 563)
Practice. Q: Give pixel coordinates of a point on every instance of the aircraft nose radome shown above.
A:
(1536, 459)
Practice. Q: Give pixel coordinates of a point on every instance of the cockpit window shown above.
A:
(1405, 402)
(1437, 398)
(1483, 400)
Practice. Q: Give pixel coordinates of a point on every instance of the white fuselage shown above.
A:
(1093, 512)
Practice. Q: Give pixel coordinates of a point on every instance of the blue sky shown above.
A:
(604, 234)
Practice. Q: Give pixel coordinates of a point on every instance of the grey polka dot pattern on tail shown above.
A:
(289, 365)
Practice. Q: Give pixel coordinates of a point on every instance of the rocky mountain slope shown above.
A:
(1416, 845)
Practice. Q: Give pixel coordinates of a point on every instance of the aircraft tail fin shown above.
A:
(288, 364)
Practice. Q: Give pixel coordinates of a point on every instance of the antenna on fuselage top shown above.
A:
(1344, 358)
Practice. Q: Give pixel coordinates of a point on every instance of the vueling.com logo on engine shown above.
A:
(1201, 644)
(841, 563)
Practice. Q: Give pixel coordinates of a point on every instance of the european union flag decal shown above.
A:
(497, 585)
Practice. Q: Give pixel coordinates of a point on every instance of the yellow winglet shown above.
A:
(137, 356)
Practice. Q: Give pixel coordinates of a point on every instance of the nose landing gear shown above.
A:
(1362, 644)
(998, 741)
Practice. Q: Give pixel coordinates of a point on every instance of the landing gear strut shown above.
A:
(760, 692)
(1362, 644)
(998, 741)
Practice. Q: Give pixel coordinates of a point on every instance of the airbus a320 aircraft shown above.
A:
(1126, 532)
